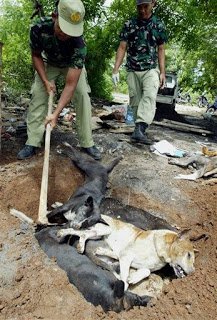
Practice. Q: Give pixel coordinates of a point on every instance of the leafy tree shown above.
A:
(191, 50)
(14, 34)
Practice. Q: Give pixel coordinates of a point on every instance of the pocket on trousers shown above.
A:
(131, 84)
(156, 78)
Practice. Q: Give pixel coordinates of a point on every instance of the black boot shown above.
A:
(93, 152)
(27, 152)
(139, 134)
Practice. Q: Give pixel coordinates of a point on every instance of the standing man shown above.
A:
(58, 48)
(143, 39)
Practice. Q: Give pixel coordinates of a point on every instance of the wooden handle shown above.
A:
(42, 212)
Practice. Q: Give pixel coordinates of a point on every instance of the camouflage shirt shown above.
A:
(69, 53)
(143, 38)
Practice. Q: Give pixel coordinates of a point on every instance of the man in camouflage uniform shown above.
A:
(143, 39)
(58, 48)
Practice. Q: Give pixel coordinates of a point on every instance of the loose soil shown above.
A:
(34, 287)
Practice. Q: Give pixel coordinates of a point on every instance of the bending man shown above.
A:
(58, 48)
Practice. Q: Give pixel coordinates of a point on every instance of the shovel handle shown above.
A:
(42, 212)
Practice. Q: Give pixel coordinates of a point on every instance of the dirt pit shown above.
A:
(34, 287)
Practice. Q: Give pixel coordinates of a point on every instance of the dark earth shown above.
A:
(34, 287)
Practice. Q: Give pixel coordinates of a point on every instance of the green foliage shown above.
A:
(14, 35)
(97, 62)
(102, 36)
(191, 50)
(192, 28)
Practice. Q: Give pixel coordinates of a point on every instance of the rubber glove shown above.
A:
(115, 78)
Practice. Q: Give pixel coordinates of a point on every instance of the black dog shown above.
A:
(82, 208)
(98, 286)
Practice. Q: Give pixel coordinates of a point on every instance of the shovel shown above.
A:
(42, 212)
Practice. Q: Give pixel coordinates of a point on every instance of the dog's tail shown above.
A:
(111, 166)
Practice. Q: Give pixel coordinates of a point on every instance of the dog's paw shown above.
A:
(126, 286)
(80, 248)
(138, 275)
(81, 244)
(59, 149)
(56, 205)
(61, 233)
(180, 176)
(185, 177)
(117, 275)
(99, 252)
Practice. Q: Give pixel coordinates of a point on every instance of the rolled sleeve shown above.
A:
(124, 32)
(78, 58)
(35, 39)
(161, 34)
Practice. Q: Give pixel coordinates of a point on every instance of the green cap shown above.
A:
(71, 17)
(138, 2)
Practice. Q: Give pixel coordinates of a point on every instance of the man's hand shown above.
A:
(50, 86)
(162, 80)
(52, 120)
(115, 78)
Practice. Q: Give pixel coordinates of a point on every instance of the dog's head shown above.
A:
(181, 256)
(84, 215)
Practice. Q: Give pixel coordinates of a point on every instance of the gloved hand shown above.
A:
(115, 78)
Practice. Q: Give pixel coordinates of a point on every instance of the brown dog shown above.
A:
(206, 166)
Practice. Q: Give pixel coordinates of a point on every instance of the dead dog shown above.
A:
(129, 214)
(145, 251)
(140, 218)
(82, 208)
(98, 286)
(205, 166)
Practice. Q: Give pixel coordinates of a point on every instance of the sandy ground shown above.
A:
(34, 287)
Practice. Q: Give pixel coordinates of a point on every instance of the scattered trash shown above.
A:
(64, 112)
(163, 147)
(11, 130)
(207, 116)
(67, 117)
(203, 143)
(129, 120)
(122, 108)
(212, 152)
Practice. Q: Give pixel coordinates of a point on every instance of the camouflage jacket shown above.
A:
(143, 38)
(70, 53)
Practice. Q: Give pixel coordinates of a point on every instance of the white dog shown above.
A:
(145, 251)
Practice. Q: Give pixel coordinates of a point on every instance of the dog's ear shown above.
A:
(161, 246)
(118, 288)
(89, 202)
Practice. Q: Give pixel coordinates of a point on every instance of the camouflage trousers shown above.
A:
(38, 108)
(143, 87)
